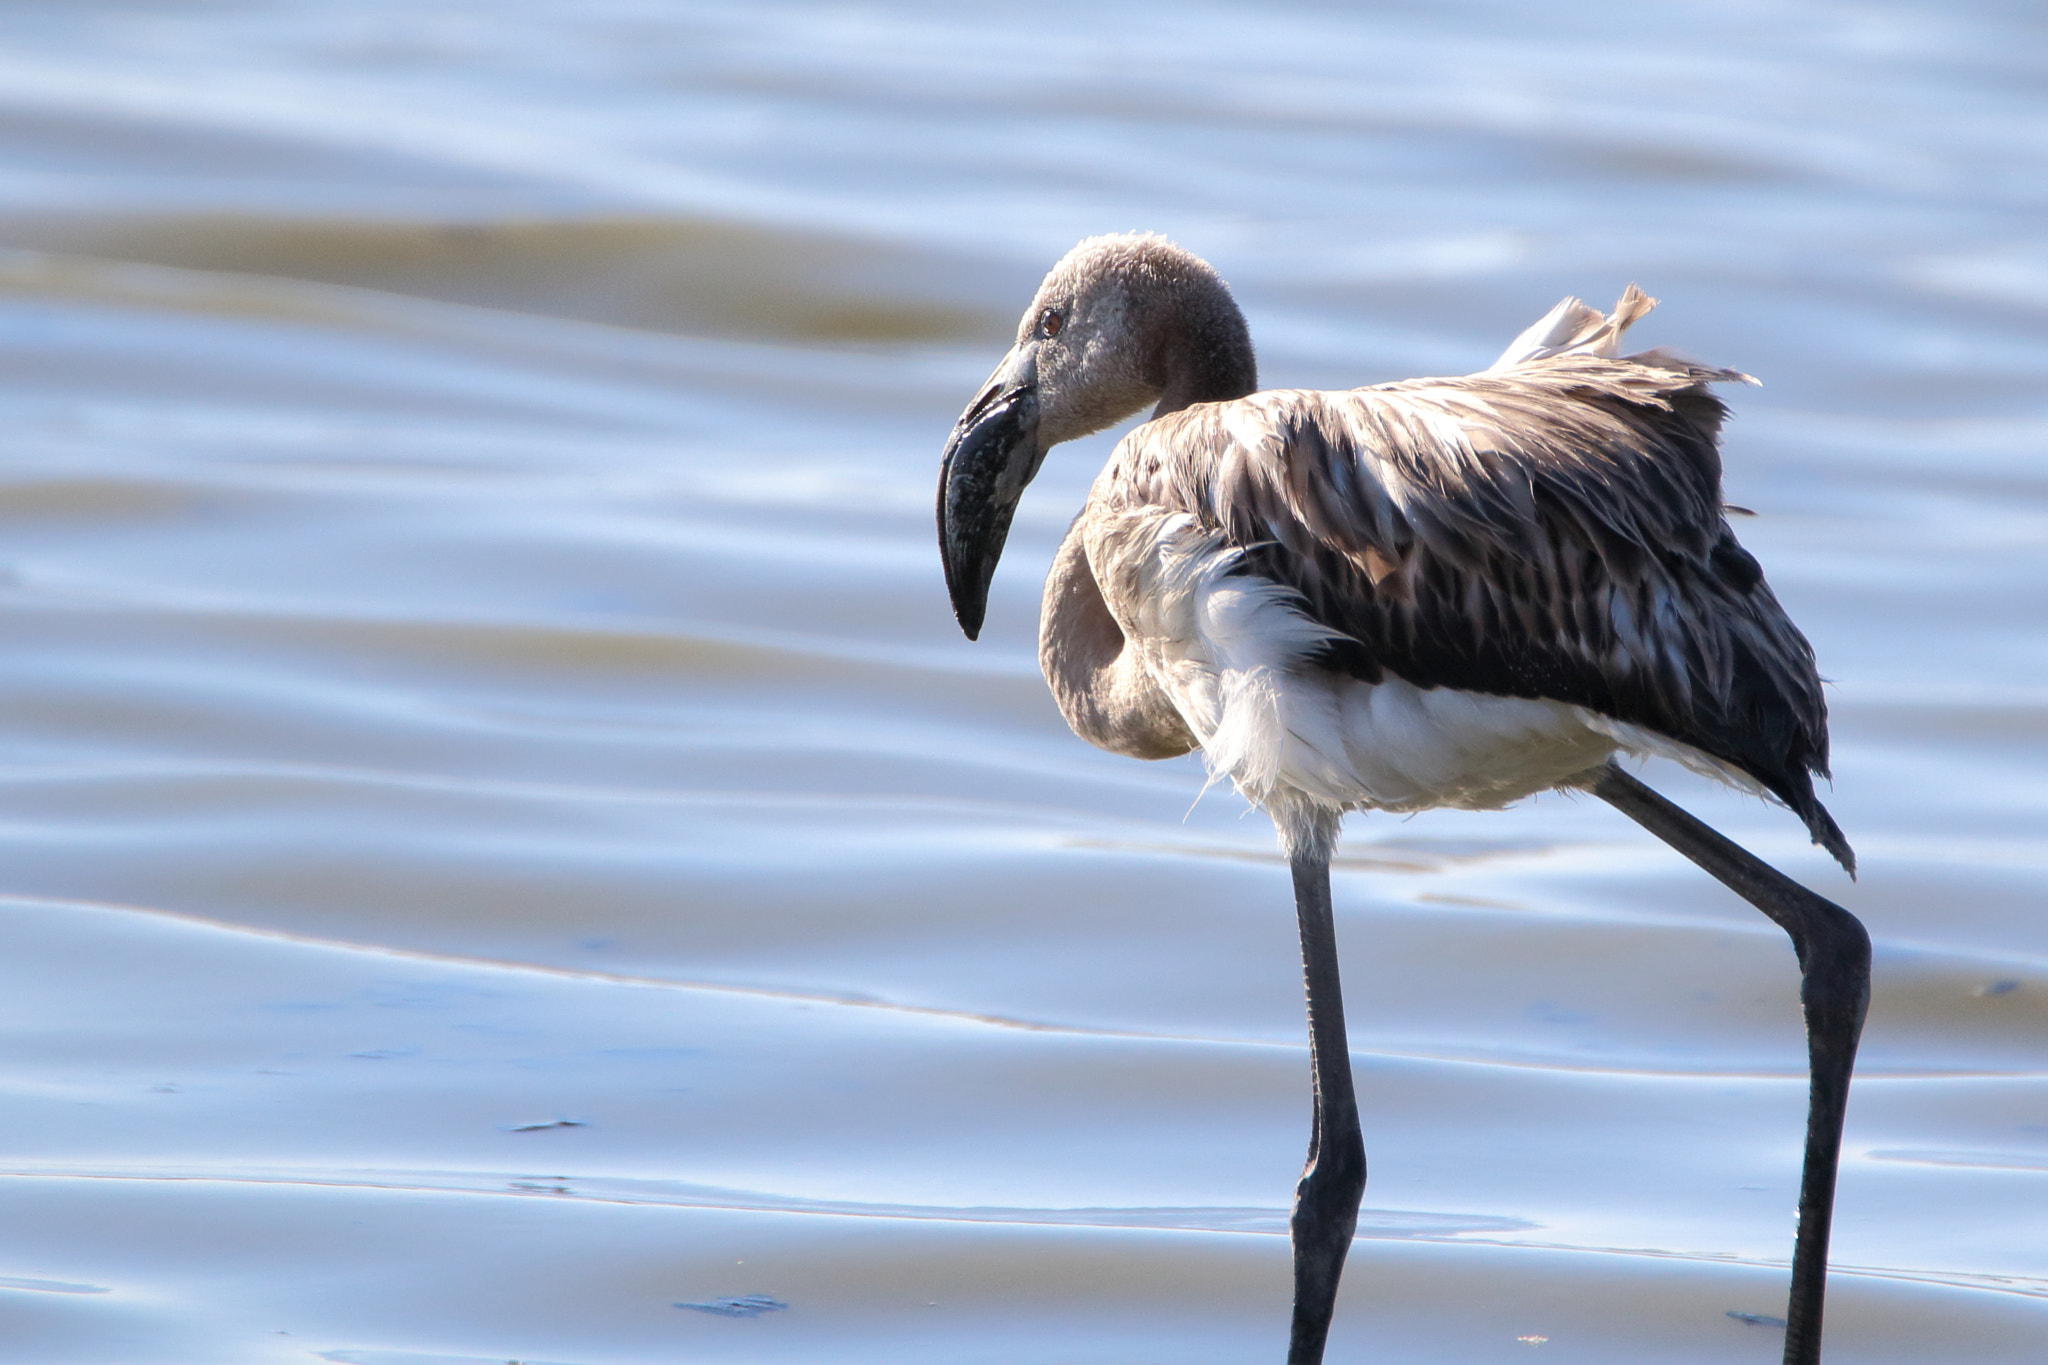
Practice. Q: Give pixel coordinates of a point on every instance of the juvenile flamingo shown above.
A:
(1438, 592)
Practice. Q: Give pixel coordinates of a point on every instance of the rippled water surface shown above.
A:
(506, 855)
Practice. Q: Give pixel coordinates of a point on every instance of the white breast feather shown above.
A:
(1230, 650)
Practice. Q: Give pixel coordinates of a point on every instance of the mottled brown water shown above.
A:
(500, 836)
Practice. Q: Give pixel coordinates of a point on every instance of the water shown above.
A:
(502, 837)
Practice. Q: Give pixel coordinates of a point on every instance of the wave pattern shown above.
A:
(501, 838)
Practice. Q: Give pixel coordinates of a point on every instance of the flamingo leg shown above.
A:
(1333, 1181)
(1834, 958)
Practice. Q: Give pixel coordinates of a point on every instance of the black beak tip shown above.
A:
(969, 607)
(970, 613)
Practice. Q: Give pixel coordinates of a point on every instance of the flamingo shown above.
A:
(1439, 592)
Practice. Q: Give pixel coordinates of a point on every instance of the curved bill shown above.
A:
(992, 454)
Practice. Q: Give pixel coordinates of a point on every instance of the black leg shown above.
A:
(1834, 956)
(1326, 1201)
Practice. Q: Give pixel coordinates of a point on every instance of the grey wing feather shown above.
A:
(1550, 528)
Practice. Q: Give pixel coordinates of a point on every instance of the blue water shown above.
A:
(501, 836)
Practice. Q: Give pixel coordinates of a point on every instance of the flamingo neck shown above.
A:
(1207, 355)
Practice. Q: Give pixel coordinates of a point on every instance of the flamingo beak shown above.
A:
(992, 455)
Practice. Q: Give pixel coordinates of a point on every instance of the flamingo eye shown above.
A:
(1049, 322)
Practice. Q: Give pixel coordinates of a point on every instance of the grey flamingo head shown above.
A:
(1121, 321)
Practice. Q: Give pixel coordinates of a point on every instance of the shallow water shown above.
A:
(502, 837)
